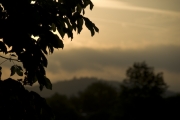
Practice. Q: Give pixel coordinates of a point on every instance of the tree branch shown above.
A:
(10, 58)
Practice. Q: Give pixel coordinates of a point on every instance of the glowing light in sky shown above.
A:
(122, 5)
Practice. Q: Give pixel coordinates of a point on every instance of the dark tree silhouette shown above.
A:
(171, 106)
(30, 30)
(97, 101)
(62, 108)
(141, 94)
(142, 81)
(23, 20)
(17, 103)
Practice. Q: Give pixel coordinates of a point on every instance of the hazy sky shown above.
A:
(130, 31)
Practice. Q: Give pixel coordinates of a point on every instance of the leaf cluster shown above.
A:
(23, 20)
(141, 79)
(17, 103)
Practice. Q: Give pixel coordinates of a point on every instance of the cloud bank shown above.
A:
(112, 63)
(163, 57)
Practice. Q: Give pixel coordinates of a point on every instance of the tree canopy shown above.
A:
(47, 20)
(97, 96)
(141, 93)
(142, 81)
(17, 103)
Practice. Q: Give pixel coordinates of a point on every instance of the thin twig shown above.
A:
(3, 62)
(10, 58)
(13, 63)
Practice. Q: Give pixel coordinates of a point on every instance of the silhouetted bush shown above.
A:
(62, 108)
(139, 98)
(17, 103)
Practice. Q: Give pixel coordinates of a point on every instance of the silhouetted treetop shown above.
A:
(97, 96)
(22, 20)
(141, 93)
(141, 80)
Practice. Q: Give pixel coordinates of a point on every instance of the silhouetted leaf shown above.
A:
(40, 79)
(83, 11)
(53, 27)
(57, 42)
(61, 32)
(44, 60)
(70, 34)
(74, 25)
(3, 47)
(68, 24)
(44, 50)
(48, 84)
(41, 87)
(86, 3)
(42, 70)
(89, 25)
(43, 44)
(78, 8)
(51, 49)
(34, 79)
(13, 70)
(19, 70)
(80, 24)
(96, 29)
(13, 55)
(91, 5)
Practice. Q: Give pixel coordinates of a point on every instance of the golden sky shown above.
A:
(130, 31)
(127, 25)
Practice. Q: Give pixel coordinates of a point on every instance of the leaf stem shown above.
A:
(3, 62)
(13, 62)
(9, 58)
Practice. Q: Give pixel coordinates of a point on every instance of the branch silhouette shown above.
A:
(9, 59)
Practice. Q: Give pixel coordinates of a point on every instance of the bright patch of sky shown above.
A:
(159, 6)
(130, 31)
(130, 24)
(130, 27)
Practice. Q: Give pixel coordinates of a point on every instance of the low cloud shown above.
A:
(162, 57)
(111, 64)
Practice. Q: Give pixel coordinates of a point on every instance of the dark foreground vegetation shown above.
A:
(101, 101)
(30, 30)
(139, 97)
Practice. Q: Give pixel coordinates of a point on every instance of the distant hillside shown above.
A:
(70, 87)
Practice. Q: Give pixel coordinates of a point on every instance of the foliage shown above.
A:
(47, 20)
(29, 31)
(17, 103)
(142, 80)
(100, 100)
(140, 93)
(171, 106)
(99, 96)
(62, 108)
(96, 101)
